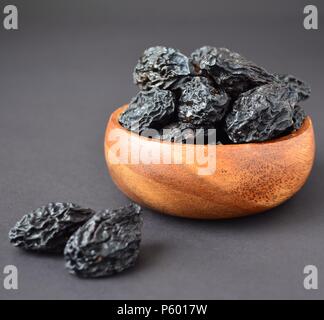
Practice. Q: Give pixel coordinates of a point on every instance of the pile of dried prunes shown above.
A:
(214, 88)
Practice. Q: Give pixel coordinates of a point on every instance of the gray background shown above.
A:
(62, 74)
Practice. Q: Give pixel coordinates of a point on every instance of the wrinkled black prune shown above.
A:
(201, 104)
(178, 132)
(198, 55)
(48, 228)
(261, 114)
(299, 116)
(233, 72)
(148, 109)
(161, 67)
(182, 132)
(295, 84)
(108, 243)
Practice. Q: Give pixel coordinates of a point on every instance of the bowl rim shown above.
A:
(307, 124)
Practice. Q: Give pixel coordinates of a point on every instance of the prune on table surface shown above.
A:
(299, 116)
(108, 243)
(295, 84)
(232, 71)
(48, 228)
(201, 104)
(262, 114)
(161, 67)
(148, 109)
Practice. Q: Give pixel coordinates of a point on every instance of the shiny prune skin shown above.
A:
(48, 228)
(201, 104)
(302, 88)
(148, 109)
(198, 55)
(107, 244)
(161, 67)
(261, 114)
(233, 72)
(177, 132)
(182, 132)
(299, 115)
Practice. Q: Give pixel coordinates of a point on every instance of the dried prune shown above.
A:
(299, 116)
(198, 55)
(160, 67)
(295, 84)
(148, 109)
(261, 114)
(178, 132)
(182, 132)
(233, 72)
(48, 228)
(201, 104)
(108, 243)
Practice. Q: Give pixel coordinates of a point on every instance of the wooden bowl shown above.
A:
(249, 178)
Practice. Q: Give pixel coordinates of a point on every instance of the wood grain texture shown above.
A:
(249, 178)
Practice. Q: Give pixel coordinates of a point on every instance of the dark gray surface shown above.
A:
(63, 73)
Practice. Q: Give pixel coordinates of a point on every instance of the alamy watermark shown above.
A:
(10, 277)
(311, 278)
(192, 149)
(10, 20)
(310, 281)
(311, 17)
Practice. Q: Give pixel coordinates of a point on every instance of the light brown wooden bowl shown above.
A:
(249, 178)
